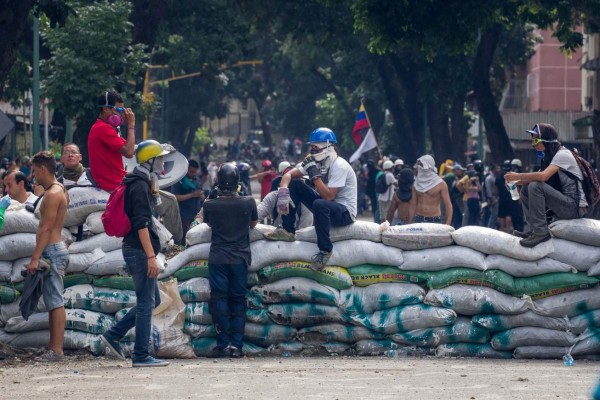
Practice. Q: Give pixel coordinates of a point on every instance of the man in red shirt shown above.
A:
(106, 147)
(105, 144)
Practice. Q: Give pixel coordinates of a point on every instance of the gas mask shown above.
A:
(326, 150)
(114, 120)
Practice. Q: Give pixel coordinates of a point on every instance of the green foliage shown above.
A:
(19, 79)
(91, 53)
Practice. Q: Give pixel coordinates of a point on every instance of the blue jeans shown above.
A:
(326, 213)
(52, 284)
(148, 298)
(227, 305)
(419, 219)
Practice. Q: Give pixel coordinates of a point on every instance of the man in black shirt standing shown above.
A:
(229, 216)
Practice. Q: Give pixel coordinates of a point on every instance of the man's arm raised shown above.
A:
(128, 150)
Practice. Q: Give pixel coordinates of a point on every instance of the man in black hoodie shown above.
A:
(140, 247)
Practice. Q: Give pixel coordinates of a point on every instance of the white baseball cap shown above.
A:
(283, 166)
(398, 162)
(387, 164)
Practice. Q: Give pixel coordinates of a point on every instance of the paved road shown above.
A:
(301, 378)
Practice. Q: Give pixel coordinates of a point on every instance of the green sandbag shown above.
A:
(368, 274)
(8, 294)
(115, 282)
(494, 278)
(335, 277)
(194, 269)
(77, 279)
(541, 286)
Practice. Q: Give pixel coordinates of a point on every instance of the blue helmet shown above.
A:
(322, 135)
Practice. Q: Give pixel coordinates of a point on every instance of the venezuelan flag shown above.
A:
(361, 123)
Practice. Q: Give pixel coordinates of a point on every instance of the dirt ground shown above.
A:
(85, 377)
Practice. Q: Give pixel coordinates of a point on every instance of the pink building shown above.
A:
(553, 79)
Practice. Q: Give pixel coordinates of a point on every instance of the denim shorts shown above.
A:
(52, 284)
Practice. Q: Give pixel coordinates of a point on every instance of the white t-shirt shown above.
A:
(31, 199)
(389, 193)
(82, 181)
(343, 177)
(565, 160)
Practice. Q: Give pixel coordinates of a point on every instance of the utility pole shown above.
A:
(36, 79)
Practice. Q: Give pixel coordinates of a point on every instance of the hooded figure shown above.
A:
(406, 180)
(427, 177)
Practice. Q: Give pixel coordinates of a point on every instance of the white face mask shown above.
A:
(326, 150)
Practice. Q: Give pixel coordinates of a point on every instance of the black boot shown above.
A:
(533, 240)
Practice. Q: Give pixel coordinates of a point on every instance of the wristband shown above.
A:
(151, 257)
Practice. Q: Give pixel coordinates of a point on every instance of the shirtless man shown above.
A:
(50, 246)
(398, 214)
(429, 191)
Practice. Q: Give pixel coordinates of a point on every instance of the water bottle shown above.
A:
(568, 360)
(514, 192)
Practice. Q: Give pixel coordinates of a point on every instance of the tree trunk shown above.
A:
(186, 149)
(488, 109)
(440, 133)
(13, 23)
(457, 129)
(406, 145)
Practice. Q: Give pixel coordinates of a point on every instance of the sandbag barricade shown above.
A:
(415, 290)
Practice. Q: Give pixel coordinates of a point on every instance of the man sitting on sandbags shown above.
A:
(74, 173)
(333, 203)
(18, 188)
(428, 192)
(556, 187)
(106, 148)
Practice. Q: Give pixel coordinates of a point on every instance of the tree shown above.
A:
(88, 58)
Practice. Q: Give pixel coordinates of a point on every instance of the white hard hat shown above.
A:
(283, 166)
(387, 164)
(516, 162)
(398, 162)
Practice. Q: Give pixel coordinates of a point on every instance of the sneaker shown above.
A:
(236, 352)
(219, 352)
(533, 240)
(522, 235)
(112, 349)
(319, 260)
(50, 356)
(280, 234)
(149, 362)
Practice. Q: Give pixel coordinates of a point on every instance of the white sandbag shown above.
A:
(10, 310)
(579, 323)
(19, 266)
(582, 230)
(461, 331)
(471, 300)
(82, 261)
(442, 258)
(540, 352)
(337, 333)
(94, 224)
(359, 230)
(196, 252)
(407, 318)
(18, 245)
(164, 236)
(471, 350)
(418, 236)
(195, 289)
(523, 269)
(6, 268)
(286, 347)
(168, 338)
(101, 241)
(497, 322)
(198, 330)
(82, 202)
(258, 316)
(380, 296)
(578, 255)
(198, 313)
(79, 320)
(568, 304)
(201, 233)
(335, 348)
(267, 335)
(104, 300)
(296, 290)
(588, 343)
(19, 221)
(73, 340)
(111, 264)
(369, 347)
(346, 253)
(491, 241)
(300, 315)
(531, 336)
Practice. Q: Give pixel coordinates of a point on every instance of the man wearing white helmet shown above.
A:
(332, 201)
(385, 187)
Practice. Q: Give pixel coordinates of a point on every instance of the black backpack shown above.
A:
(381, 185)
